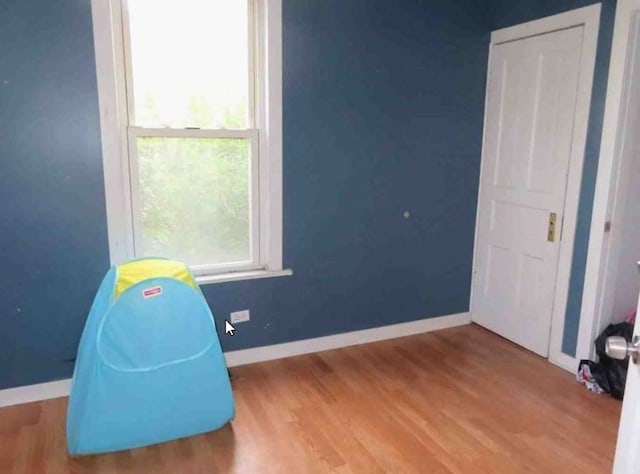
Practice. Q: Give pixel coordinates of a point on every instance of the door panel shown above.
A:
(531, 101)
(627, 459)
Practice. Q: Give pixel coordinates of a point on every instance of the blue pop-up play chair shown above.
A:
(149, 366)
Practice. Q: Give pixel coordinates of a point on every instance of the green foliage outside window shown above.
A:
(195, 198)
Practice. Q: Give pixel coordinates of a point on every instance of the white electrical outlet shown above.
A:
(240, 316)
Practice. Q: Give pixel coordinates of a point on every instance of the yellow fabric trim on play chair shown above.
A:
(138, 270)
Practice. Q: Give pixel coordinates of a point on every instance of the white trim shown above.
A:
(61, 388)
(252, 60)
(589, 18)
(238, 276)
(318, 344)
(125, 45)
(134, 194)
(111, 62)
(482, 165)
(564, 361)
(270, 122)
(609, 167)
(34, 393)
(249, 133)
(561, 21)
(109, 51)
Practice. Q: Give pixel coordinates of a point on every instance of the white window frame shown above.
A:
(265, 134)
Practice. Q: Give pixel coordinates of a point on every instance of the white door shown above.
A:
(627, 459)
(531, 102)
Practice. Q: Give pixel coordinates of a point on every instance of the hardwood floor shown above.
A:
(458, 400)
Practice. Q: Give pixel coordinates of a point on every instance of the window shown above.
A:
(191, 118)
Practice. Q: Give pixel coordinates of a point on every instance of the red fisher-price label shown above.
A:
(153, 291)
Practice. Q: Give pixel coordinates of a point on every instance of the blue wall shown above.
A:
(504, 13)
(382, 113)
(53, 245)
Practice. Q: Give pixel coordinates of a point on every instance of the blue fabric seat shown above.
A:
(149, 367)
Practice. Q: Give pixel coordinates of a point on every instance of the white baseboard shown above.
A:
(34, 393)
(61, 388)
(318, 344)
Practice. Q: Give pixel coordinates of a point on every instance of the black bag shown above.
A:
(611, 374)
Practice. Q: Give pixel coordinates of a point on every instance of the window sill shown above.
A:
(240, 276)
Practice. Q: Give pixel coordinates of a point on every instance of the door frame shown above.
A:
(589, 18)
(601, 255)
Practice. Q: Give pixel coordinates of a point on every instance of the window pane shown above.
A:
(190, 63)
(194, 199)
